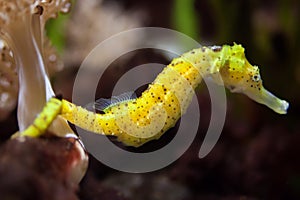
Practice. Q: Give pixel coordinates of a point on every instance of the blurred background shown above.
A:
(256, 156)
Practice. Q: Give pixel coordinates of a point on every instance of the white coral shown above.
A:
(24, 52)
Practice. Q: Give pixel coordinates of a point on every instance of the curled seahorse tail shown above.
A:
(44, 119)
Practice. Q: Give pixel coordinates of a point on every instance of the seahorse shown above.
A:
(41, 123)
(135, 121)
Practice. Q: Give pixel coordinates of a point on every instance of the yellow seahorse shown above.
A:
(137, 121)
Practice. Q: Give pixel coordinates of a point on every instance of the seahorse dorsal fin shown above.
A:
(103, 103)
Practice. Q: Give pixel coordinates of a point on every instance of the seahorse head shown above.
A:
(240, 76)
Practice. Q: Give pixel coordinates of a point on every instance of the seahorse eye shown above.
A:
(256, 78)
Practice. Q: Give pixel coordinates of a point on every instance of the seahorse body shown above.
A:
(140, 120)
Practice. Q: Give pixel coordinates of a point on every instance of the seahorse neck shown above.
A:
(207, 60)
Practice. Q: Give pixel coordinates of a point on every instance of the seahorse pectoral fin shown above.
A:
(267, 98)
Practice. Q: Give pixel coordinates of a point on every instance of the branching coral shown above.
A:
(22, 29)
(22, 64)
(8, 81)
